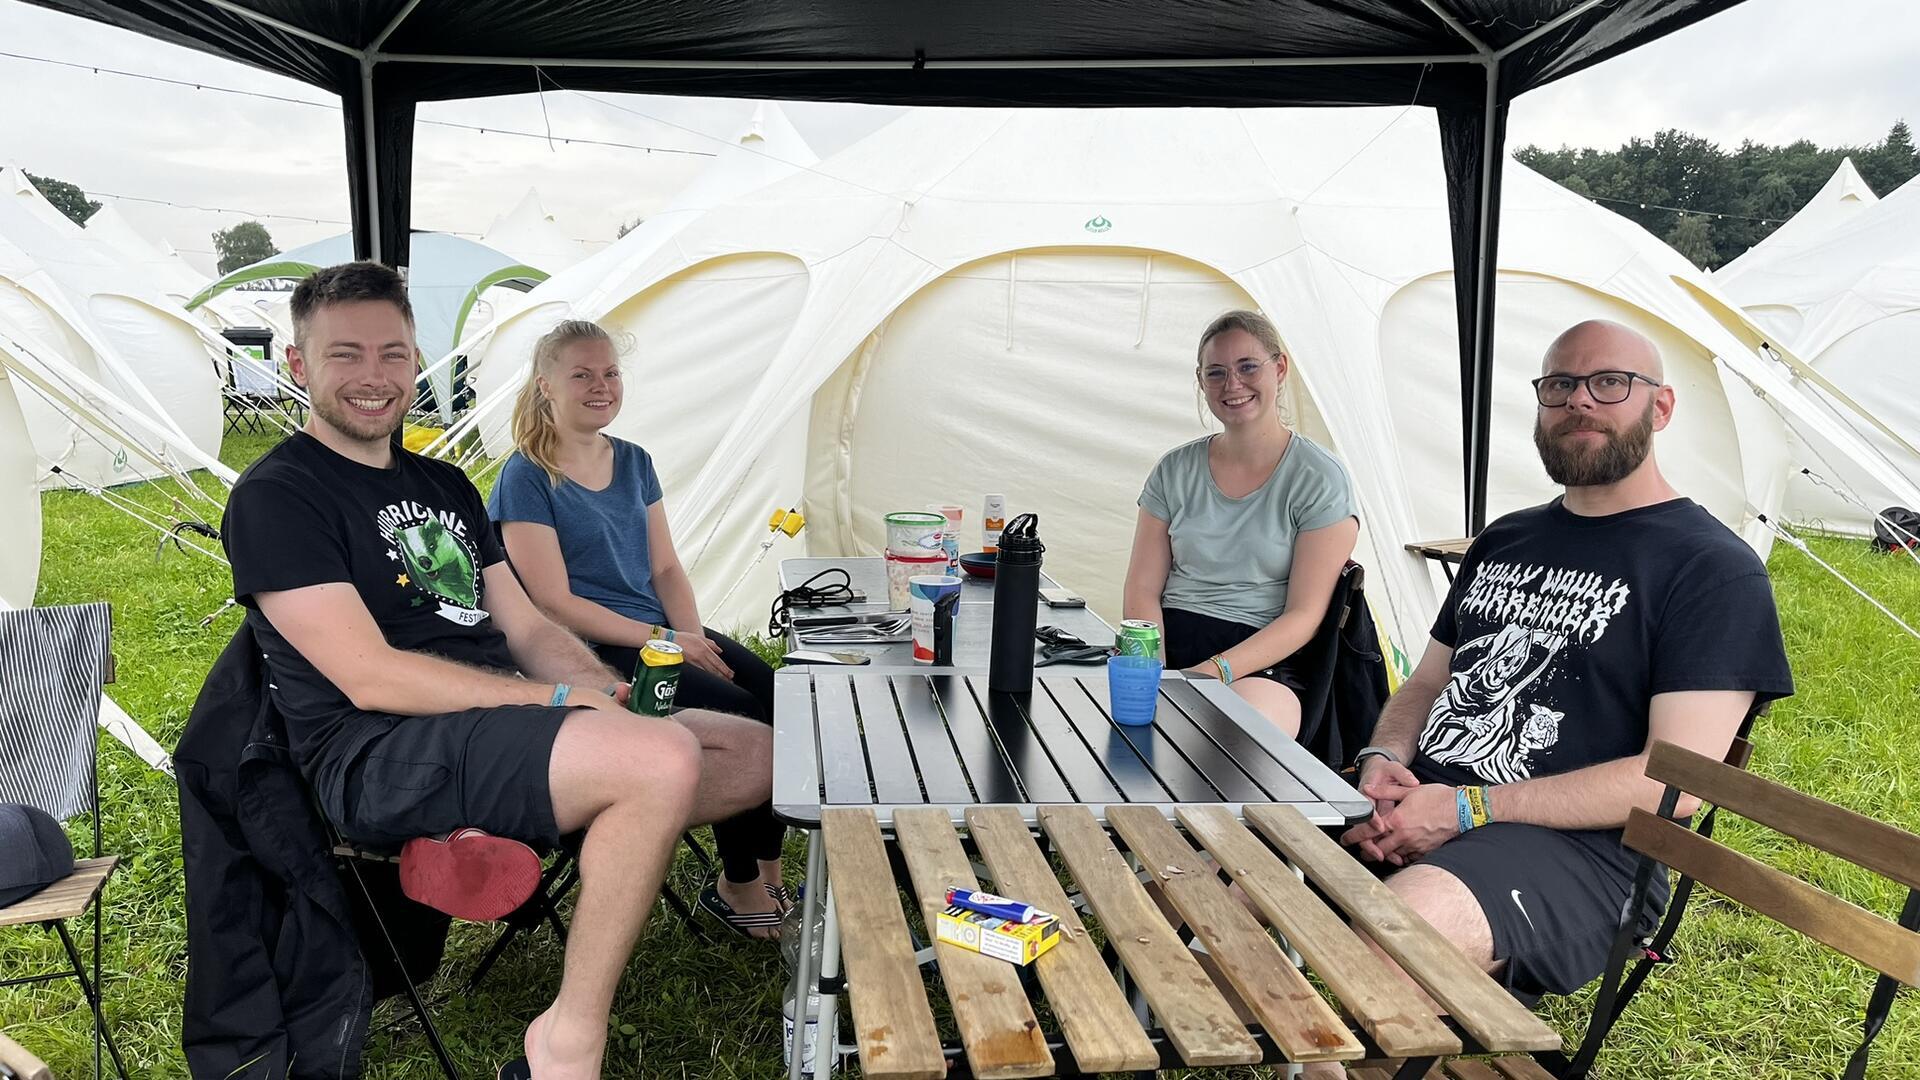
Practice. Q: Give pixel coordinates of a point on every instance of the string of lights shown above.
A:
(332, 106)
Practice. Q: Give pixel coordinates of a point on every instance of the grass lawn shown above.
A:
(1746, 999)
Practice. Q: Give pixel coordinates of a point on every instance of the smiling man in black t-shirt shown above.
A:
(423, 693)
(1576, 634)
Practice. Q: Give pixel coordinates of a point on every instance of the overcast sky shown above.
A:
(1838, 71)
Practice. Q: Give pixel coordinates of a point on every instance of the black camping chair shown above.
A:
(49, 759)
(1346, 672)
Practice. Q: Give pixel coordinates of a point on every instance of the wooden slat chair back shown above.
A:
(1890, 948)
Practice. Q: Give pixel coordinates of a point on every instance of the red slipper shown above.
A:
(469, 874)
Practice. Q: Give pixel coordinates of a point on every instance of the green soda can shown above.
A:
(1138, 637)
(656, 678)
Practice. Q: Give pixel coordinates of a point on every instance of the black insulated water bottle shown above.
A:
(1016, 606)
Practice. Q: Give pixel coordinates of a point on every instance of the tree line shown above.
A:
(1725, 201)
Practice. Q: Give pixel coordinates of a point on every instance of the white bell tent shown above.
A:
(1008, 301)
(1844, 195)
(1848, 306)
(529, 234)
(19, 502)
(68, 302)
(765, 149)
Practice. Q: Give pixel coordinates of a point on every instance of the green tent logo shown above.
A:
(120, 460)
(1098, 224)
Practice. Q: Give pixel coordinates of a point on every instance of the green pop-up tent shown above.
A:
(447, 275)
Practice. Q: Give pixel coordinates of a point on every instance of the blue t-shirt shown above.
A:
(603, 534)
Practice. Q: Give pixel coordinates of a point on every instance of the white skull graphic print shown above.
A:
(1497, 716)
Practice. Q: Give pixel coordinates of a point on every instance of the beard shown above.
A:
(346, 423)
(1572, 465)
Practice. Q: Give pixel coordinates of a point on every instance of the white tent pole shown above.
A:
(251, 15)
(392, 25)
(1546, 28)
(373, 160)
(1453, 23)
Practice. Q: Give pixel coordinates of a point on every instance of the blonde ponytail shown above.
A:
(535, 432)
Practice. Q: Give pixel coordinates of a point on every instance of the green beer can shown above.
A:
(656, 678)
(1138, 637)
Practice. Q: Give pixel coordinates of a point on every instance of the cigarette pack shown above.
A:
(1014, 942)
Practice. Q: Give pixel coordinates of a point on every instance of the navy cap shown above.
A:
(34, 852)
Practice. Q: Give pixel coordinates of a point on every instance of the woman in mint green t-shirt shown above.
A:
(1241, 535)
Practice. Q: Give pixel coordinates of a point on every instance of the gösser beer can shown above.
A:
(656, 678)
(1138, 637)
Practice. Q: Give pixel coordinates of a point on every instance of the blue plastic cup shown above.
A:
(1133, 687)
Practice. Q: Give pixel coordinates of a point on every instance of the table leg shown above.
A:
(825, 1055)
(803, 973)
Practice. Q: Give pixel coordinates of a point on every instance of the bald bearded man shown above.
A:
(1575, 635)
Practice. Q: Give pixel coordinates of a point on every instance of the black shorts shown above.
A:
(1191, 638)
(430, 775)
(1553, 898)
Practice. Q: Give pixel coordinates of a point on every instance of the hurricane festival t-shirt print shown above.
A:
(1498, 714)
(435, 558)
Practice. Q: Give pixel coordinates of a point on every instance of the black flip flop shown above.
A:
(782, 895)
(517, 1069)
(742, 924)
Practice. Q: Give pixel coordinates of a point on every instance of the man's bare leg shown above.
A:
(736, 774)
(1447, 903)
(630, 781)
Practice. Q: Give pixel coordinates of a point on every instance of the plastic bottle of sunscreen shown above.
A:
(993, 518)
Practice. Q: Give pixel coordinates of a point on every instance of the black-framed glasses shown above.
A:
(1605, 387)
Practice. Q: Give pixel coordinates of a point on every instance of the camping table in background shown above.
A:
(973, 624)
(918, 740)
(1448, 553)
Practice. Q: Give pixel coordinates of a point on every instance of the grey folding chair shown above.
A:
(53, 662)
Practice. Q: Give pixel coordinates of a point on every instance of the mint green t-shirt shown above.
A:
(1232, 557)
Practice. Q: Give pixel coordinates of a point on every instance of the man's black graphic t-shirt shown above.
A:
(1564, 627)
(411, 540)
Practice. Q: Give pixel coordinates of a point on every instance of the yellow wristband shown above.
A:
(656, 633)
(1477, 806)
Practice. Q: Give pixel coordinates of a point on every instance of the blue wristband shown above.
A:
(1464, 808)
(1226, 669)
(560, 692)
(670, 635)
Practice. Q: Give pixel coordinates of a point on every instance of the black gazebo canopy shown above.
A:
(1465, 58)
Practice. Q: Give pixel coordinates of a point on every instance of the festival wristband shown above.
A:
(1463, 809)
(657, 632)
(560, 692)
(1478, 804)
(671, 634)
(1226, 669)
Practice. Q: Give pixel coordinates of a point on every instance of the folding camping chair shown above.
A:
(49, 746)
(1890, 948)
(559, 878)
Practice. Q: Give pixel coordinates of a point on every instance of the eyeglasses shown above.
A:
(1605, 387)
(1246, 369)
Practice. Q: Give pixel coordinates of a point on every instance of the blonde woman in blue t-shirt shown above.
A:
(1242, 535)
(584, 526)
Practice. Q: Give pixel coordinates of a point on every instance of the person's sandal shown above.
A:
(742, 923)
(469, 874)
(782, 896)
(517, 1069)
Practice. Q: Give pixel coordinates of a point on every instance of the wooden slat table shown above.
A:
(1448, 553)
(1194, 1022)
(920, 752)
